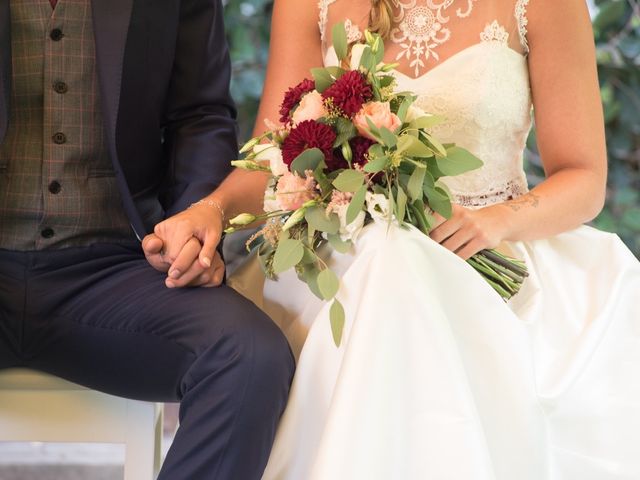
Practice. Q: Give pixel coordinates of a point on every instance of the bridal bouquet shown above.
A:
(350, 150)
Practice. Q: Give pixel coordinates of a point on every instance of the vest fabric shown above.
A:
(57, 183)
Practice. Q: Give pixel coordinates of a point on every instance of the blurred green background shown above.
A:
(616, 26)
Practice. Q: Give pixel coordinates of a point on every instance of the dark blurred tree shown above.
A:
(616, 28)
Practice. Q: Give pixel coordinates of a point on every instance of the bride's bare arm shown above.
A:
(570, 133)
(294, 50)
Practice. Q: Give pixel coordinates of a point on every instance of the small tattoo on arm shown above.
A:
(528, 200)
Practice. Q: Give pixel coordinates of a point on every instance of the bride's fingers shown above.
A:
(445, 230)
(458, 240)
(470, 249)
(185, 259)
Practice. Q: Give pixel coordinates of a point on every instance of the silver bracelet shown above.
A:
(211, 203)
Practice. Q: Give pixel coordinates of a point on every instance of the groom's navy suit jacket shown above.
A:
(163, 70)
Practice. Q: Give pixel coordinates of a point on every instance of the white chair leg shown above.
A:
(157, 457)
(140, 451)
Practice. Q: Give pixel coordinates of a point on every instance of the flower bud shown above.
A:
(250, 144)
(347, 153)
(294, 219)
(243, 219)
(249, 165)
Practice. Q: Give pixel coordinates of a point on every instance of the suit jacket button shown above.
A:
(47, 233)
(55, 187)
(59, 138)
(56, 35)
(60, 87)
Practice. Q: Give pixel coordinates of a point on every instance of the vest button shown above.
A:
(47, 233)
(55, 187)
(60, 87)
(59, 138)
(56, 35)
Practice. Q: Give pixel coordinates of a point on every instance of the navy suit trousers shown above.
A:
(101, 317)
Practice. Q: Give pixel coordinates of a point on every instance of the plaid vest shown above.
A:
(57, 184)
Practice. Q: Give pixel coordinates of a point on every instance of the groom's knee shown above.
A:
(239, 344)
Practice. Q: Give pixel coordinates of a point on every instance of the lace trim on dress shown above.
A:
(323, 5)
(510, 191)
(523, 21)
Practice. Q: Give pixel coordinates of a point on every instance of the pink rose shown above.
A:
(380, 115)
(311, 108)
(293, 191)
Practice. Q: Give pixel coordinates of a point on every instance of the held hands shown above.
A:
(469, 231)
(184, 246)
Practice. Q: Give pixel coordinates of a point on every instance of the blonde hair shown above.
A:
(381, 16)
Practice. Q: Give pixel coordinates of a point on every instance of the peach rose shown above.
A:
(380, 115)
(293, 191)
(311, 108)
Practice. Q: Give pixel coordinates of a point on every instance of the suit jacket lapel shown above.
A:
(111, 20)
(5, 65)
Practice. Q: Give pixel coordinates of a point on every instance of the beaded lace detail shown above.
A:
(495, 32)
(523, 21)
(422, 29)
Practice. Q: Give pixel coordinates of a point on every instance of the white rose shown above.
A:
(377, 206)
(272, 154)
(351, 231)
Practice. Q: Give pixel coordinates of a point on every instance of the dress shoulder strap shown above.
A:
(323, 7)
(522, 22)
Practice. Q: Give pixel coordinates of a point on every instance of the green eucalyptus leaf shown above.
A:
(439, 201)
(288, 254)
(349, 181)
(458, 161)
(340, 44)
(337, 319)
(427, 121)
(308, 160)
(309, 275)
(323, 78)
(339, 245)
(328, 284)
(388, 137)
(412, 147)
(377, 164)
(317, 219)
(356, 204)
(401, 204)
(415, 184)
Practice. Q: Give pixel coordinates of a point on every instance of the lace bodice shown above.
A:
(479, 82)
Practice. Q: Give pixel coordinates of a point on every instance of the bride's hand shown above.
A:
(469, 231)
(184, 246)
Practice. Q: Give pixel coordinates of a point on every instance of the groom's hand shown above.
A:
(185, 270)
(184, 246)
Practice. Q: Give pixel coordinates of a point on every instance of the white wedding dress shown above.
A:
(437, 377)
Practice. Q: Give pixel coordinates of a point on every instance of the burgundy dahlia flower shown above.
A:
(292, 98)
(349, 93)
(308, 134)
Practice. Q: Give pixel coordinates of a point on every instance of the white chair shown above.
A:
(40, 407)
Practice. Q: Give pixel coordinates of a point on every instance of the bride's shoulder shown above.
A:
(297, 15)
(556, 21)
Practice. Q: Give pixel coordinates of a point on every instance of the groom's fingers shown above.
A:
(152, 246)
